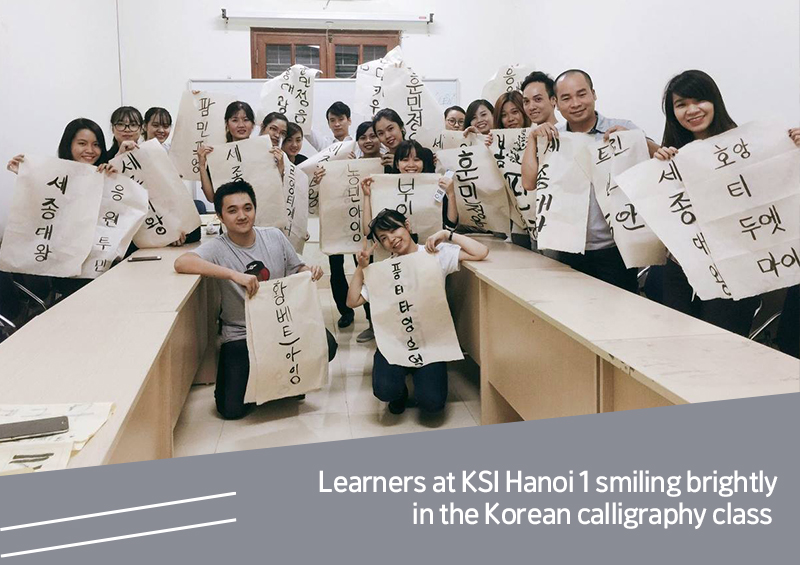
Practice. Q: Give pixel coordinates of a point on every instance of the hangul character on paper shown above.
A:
(554, 146)
(398, 289)
(416, 359)
(301, 116)
(49, 208)
(739, 188)
(770, 264)
(405, 208)
(292, 352)
(205, 106)
(302, 97)
(304, 79)
(130, 163)
(236, 173)
(283, 104)
(405, 186)
(404, 306)
(471, 190)
(42, 252)
(671, 173)
(629, 214)
(543, 202)
(542, 180)
(60, 184)
(408, 322)
(288, 87)
(111, 218)
(103, 242)
(723, 157)
(234, 153)
(681, 204)
(157, 222)
(355, 211)
(294, 373)
(500, 156)
(101, 265)
(288, 331)
(45, 232)
(396, 271)
(284, 315)
(741, 149)
(202, 127)
(117, 193)
(699, 241)
(411, 344)
(539, 225)
(718, 279)
(278, 289)
(415, 121)
(772, 217)
(607, 218)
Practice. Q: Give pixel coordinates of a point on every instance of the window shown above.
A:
(336, 53)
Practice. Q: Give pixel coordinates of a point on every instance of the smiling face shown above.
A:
(127, 130)
(539, 106)
(576, 100)
(410, 163)
(483, 119)
(510, 116)
(157, 128)
(239, 126)
(454, 121)
(693, 114)
(340, 126)
(369, 144)
(397, 240)
(389, 133)
(276, 130)
(85, 147)
(238, 213)
(293, 144)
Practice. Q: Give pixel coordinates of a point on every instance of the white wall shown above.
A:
(58, 61)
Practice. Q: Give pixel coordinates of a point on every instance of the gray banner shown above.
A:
(281, 516)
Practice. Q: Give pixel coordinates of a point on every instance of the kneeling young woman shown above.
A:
(391, 230)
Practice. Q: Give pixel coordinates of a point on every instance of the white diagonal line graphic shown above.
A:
(120, 511)
(116, 538)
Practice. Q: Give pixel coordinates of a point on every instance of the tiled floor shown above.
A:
(344, 409)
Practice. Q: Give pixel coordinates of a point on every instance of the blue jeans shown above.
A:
(430, 382)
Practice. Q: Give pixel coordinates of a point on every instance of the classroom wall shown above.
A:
(59, 60)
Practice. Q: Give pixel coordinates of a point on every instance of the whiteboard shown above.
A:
(326, 92)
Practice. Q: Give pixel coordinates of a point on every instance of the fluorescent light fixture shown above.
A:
(328, 17)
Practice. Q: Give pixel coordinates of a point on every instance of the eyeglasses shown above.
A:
(119, 126)
(455, 122)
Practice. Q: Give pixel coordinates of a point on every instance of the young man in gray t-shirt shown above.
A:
(240, 259)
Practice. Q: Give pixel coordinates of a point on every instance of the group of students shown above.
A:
(244, 254)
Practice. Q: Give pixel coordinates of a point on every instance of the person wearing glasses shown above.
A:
(391, 230)
(157, 124)
(126, 125)
(454, 118)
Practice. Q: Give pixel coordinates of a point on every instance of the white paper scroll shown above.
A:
(448, 139)
(341, 205)
(295, 192)
(53, 217)
(171, 209)
(508, 146)
(656, 189)
(412, 321)
(251, 160)
(636, 242)
(201, 120)
(506, 79)
(292, 94)
(745, 188)
(369, 78)
(286, 339)
(562, 193)
(25, 458)
(123, 209)
(412, 196)
(480, 190)
(405, 93)
(334, 152)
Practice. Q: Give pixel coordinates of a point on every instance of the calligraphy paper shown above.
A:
(506, 79)
(405, 93)
(636, 242)
(286, 339)
(508, 147)
(341, 205)
(291, 94)
(369, 78)
(334, 152)
(410, 315)
(201, 120)
(562, 193)
(295, 191)
(53, 217)
(250, 160)
(481, 195)
(20, 458)
(171, 209)
(413, 196)
(448, 139)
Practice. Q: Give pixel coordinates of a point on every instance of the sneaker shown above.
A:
(399, 406)
(365, 336)
(346, 320)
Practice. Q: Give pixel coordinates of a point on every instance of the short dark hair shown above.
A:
(456, 108)
(472, 109)
(544, 78)
(271, 117)
(405, 148)
(572, 72)
(293, 129)
(362, 129)
(72, 129)
(158, 113)
(386, 220)
(388, 114)
(232, 110)
(235, 187)
(338, 109)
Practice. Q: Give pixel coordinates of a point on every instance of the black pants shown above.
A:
(430, 383)
(604, 264)
(789, 324)
(233, 372)
(733, 315)
(521, 239)
(339, 285)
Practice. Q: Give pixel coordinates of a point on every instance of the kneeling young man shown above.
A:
(241, 258)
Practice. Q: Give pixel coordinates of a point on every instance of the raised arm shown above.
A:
(354, 297)
(205, 178)
(366, 204)
(530, 160)
(471, 250)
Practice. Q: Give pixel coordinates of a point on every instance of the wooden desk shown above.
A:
(554, 342)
